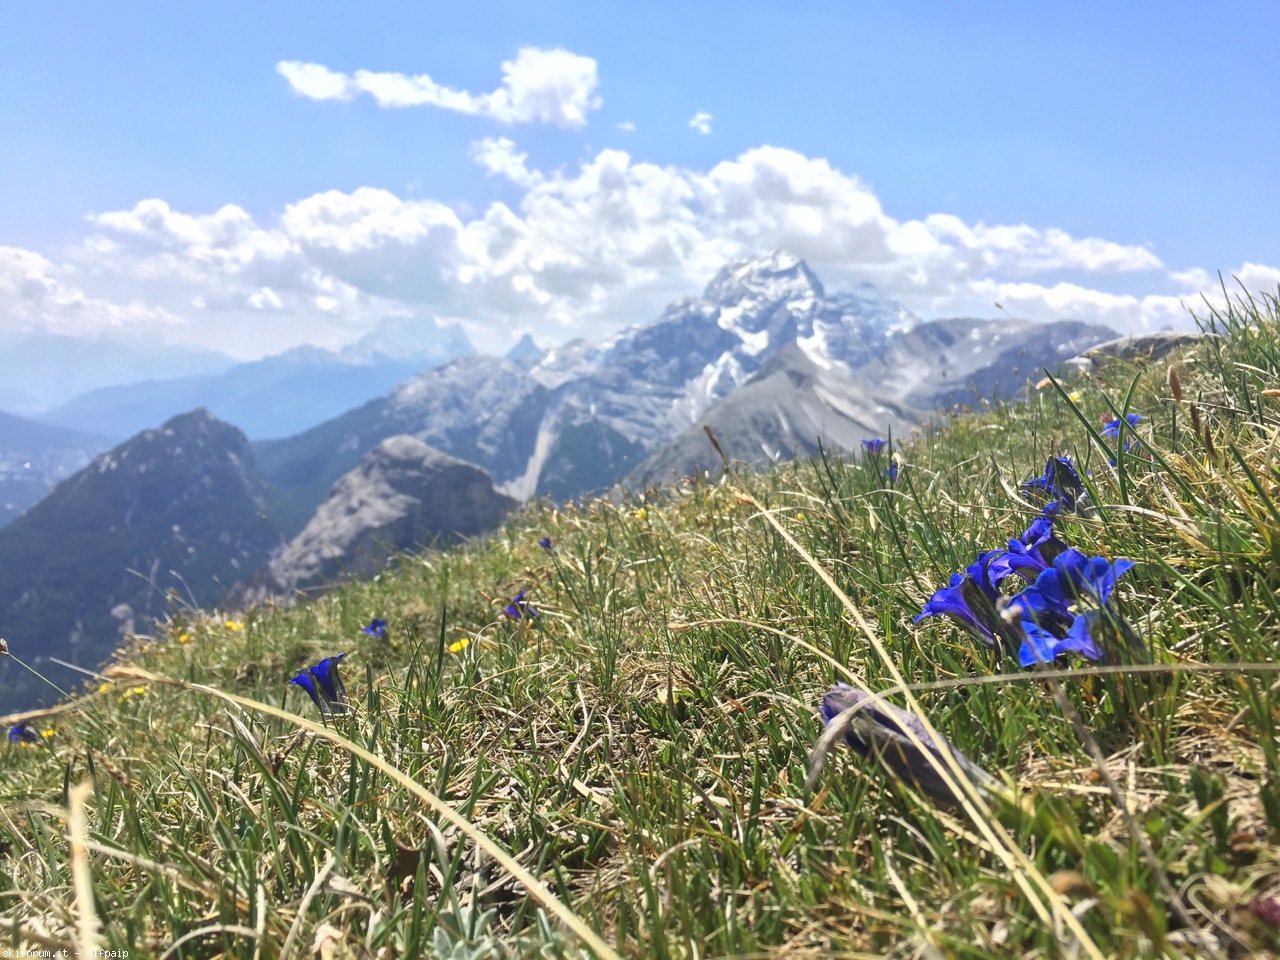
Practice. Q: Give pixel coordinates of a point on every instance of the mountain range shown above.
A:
(273, 397)
(765, 357)
(580, 417)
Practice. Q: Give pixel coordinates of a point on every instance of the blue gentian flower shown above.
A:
(1061, 483)
(376, 628)
(878, 728)
(1066, 609)
(873, 446)
(1112, 428)
(1041, 646)
(1030, 554)
(892, 473)
(520, 608)
(971, 600)
(24, 733)
(545, 543)
(325, 686)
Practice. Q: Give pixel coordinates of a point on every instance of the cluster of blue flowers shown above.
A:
(325, 686)
(1064, 606)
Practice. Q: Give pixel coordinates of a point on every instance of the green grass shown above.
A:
(642, 748)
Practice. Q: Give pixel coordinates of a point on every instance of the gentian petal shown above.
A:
(326, 674)
(308, 683)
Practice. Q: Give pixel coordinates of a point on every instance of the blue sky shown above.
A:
(164, 172)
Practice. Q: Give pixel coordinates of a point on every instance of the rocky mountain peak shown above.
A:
(774, 277)
(525, 353)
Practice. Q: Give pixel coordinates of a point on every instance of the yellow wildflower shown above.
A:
(234, 625)
(459, 645)
(104, 687)
(1075, 396)
(641, 513)
(184, 638)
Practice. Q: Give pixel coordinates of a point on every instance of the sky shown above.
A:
(250, 177)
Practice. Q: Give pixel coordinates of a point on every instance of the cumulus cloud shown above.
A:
(581, 251)
(35, 293)
(701, 121)
(499, 157)
(538, 86)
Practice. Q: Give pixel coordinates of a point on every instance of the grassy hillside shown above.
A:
(641, 746)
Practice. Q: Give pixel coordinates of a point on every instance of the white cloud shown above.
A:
(582, 251)
(538, 86)
(701, 121)
(35, 294)
(499, 157)
(626, 126)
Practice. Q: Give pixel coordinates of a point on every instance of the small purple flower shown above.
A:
(520, 608)
(1266, 909)
(1061, 483)
(873, 446)
(892, 473)
(881, 729)
(376, 628)
(24, 733)
(325, 686)
(545, 543)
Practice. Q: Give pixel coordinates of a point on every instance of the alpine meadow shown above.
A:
(841, 707)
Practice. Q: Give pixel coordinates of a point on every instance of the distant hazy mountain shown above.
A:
(34, 456)
(403, 495)
(42, 370)
(273, 397)
(582, 416)
(178, 509)
(944, 362)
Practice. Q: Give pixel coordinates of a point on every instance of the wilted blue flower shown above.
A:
(880, 729)
(325, 686)
(24, 733)
(520, 608)
(1030, 554)
(376, 628)
(873, 446)
(545, 543)
(1112, 428)
(1060, 483)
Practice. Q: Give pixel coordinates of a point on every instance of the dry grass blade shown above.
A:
(77, 834)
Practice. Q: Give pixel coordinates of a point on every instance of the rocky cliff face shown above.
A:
(404, 495)
(783, 412)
